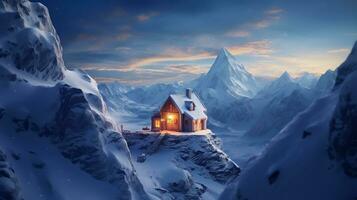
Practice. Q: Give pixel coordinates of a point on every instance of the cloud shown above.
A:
(316, 63)
(238, 33)
(189, 69)
(274, 11)
(146, 17)
(257, 48)
(271, 16)
(123, 36)
(342, 50)
(146, 76)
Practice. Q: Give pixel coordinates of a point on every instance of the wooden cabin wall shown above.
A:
(170, 108)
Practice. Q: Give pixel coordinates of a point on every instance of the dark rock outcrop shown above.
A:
(9, 186)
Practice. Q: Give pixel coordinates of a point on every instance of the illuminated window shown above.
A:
(157, 123)
(170, 118)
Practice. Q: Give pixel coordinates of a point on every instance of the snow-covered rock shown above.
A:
(29, 41)
(313, 154)
(181, 166)
(54, 121)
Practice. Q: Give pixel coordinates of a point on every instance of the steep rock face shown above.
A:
(343, 126)
(348, 66)
(9, 186)
(83, 135)
(185, 166)
(29, 41)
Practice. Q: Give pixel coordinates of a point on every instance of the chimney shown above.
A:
(188, 93)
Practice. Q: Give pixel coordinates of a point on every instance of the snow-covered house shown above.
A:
(181, 113)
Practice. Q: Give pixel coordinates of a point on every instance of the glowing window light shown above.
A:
(170, 118)
(157, 123)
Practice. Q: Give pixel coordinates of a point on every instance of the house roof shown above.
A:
(181, 103)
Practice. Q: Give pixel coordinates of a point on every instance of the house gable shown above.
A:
(181, 113)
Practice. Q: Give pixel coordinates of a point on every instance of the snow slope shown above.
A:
(180, 166)
(54, 121)
(314, 156)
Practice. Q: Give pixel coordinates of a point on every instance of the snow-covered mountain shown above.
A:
(55, 129)
(307, 80)
(222, 87)
(228, 78)
(325, 83)
(313, 153)
(155, 95)
(279, 102)
(280, 87)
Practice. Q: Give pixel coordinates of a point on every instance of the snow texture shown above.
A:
(180, 166)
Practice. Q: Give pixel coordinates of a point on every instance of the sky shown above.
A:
(142, 42)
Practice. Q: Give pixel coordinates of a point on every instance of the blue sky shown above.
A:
(150, 41)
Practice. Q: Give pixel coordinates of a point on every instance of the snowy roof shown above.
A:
(181, 103)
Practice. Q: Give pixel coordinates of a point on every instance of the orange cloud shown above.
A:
(343, 50)
(258, 48)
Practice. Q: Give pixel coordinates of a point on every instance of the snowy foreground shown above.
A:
(188, 166)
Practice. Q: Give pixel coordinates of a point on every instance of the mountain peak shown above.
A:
(223, 51)
(227, 75)
(225, 55)
(285, 76)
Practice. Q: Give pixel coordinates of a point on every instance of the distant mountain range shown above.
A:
(235, 98)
